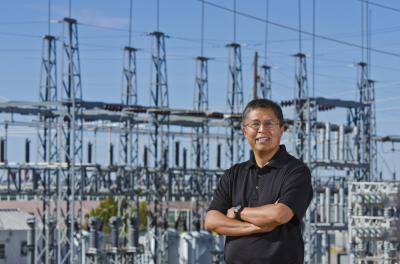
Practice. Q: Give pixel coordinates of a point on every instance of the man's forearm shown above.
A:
(270, 215)
(217, 222)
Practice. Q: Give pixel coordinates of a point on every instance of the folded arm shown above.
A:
(267, 216)
(216, 221)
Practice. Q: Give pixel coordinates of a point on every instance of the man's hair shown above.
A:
(266, 104)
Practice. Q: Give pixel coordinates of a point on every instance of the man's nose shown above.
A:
(262, 128)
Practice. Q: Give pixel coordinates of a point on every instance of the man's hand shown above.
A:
(231, 213)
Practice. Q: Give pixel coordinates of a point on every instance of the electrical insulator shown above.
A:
(89, 152)
(111, 154)
(184, 158)
(27, 150)
(2, 150)
(145, 155)
(177, 153)
(219, 156)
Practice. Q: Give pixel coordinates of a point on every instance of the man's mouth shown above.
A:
(262, 139)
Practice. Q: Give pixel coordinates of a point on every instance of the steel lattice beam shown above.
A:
(235, 140)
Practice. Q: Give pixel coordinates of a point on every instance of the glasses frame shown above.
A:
(268, 124)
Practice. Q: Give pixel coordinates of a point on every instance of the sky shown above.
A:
(103, 32)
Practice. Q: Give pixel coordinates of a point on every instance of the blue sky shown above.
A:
(103, 32)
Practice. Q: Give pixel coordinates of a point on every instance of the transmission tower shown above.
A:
(235, 139)
(129, 138)
(71, 148)
(129, 144)
(265, 82)
(200, 142)
(159, 99)
(47, 153)
(301, 107)
(159, 137)
(304, 137)
(364, 119)
(265, 78)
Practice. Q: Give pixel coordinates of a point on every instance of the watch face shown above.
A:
(237, 208)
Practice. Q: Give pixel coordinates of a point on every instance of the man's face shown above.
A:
(263, 131)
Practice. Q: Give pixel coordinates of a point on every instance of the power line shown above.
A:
(302, 31)
(266, 32)
(381, 6)
(299, 21)
(23, 22)
(109, 28)
(130, 23)
(19, 35)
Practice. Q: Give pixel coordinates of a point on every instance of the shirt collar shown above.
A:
(277, 161)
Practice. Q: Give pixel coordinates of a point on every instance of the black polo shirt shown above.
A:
(286, 179)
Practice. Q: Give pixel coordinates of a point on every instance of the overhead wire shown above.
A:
(19, 35)
(23, 22)
(381, 6)
(313, 48)
(266, 32)
(345, 43)
(234, 21)
(130, 23)
(49, 18)
(202, 29)
(299, 21)
(158, 15)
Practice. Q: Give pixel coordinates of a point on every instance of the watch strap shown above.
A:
(237, 210)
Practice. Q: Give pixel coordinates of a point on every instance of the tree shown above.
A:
(118, 206)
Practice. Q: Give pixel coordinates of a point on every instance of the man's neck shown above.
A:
(263, 158)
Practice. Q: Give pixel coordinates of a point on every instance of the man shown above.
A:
(259, 204)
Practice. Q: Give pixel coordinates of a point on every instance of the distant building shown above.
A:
(13, 236)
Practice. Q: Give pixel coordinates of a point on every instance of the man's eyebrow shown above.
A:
(256, 119)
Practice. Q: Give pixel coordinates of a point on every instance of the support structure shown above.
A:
(129, 136)
(47, 153)
(200, 143)
(159, 99)
(304, 137)
(265, 82)
(364, 119)
(301, 107)
(235, 140)
(129, 145)
(71, 150)
(159, 139)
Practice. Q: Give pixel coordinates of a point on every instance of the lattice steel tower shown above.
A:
(366, 151)
(71, 147)
(129, 135)
(200, 142)
(129, 144)
(234, 150)
(159, 99)
(265, 78)
(265, 82)
(159, 137)
(304, 138)
(47, 153)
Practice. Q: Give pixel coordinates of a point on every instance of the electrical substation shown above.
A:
(170, 160)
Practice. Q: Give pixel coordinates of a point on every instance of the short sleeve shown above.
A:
(297, 191)
(222, 198)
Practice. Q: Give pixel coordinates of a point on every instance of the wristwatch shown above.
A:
(237, 210)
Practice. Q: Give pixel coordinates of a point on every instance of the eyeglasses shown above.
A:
(266, 124)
